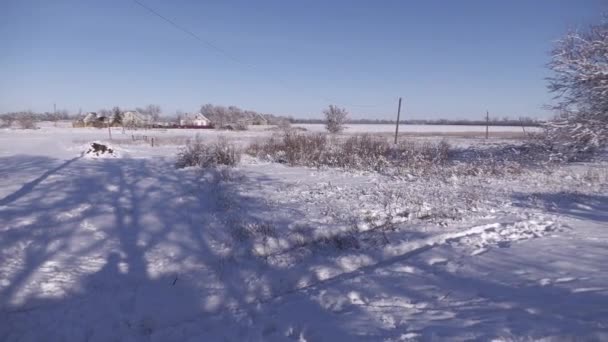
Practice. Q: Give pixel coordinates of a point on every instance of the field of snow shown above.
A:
(129, 248)
(381, 128)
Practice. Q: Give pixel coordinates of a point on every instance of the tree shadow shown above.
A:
(571, 204)
(432, 302)
(25, 165)
(494, 306)
(133, 248)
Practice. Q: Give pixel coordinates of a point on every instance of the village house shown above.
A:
(91, 119)
(135, 118)
(197, 120)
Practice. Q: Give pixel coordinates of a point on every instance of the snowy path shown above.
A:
(131, 249)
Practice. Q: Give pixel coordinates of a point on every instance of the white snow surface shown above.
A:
(387, 128)
(132, 249)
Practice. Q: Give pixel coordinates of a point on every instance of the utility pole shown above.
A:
(522, 126)
(487, 124)
(55, 114)
(398, 118)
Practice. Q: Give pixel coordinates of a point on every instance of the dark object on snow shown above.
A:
(98, 149)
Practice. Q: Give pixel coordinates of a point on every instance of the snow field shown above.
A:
(132, 249)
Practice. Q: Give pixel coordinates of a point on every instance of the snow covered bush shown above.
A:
(199, 153)
(292, 148)
(500, 161)
(363, 152)
(284, 124)
(304, 149)
(26, 122)
(360, 152)
(239, 126)
(5, 123)
(487, 166)
(421, 155)
(335, 119)
(6, 120)
(580, 81)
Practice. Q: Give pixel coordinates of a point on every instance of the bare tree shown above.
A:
(335, 119)
(6, 120)
(57, 116)
(221, 116)
(152, 110)
(104, 112)
(580, 81)
(26, 120)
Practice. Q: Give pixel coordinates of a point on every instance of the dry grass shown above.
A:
(198, 153)
(359, 152)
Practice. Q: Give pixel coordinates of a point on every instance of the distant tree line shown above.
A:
(221, 116)
(46, 116)
(27, 119)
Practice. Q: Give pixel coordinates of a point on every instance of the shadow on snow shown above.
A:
(136, 249)
(571, 204)
(133, 247)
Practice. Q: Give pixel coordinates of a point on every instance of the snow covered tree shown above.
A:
(115, 117)
(152, 110)
(26, 120)
(580, 81)
(335, 119)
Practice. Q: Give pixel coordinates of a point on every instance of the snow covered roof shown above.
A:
(200, 116)
(133, 115)
(91, 116)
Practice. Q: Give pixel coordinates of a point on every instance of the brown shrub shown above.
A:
(198, 153)
(360, 152)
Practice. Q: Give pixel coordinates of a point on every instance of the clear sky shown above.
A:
(448, 59)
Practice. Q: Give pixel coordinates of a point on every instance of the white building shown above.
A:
(135, 118)
(198, 120)
(90, 119)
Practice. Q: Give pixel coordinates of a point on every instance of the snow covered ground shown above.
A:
(129, 248)
(382, 128)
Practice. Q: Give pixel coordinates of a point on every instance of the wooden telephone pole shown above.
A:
(487, 124)
(398, 118)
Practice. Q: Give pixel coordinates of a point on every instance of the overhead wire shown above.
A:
(228, 55)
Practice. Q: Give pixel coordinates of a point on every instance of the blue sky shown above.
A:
(448, 59)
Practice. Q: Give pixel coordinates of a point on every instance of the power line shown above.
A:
(223, 52)
(192, 34)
